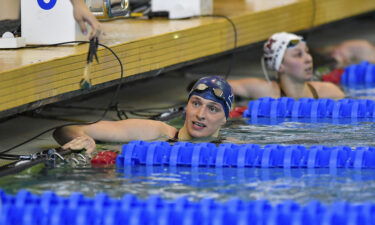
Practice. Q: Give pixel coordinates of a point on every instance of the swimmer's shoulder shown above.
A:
(327, 89)
(167, 131)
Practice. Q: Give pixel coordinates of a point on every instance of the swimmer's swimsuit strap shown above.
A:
(219, 140)
(216, 141)
(175, 138)
(312, 89)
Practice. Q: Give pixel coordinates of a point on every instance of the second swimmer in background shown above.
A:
(289, 56)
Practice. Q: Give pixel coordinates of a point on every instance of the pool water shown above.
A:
(360, 92)
(275, 185)
(347, 133)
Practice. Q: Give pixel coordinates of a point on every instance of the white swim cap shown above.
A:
(275, 47)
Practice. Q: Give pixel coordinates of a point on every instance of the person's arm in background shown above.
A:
(254, 88)
(353, 51)
(10, 9)
(83, 15)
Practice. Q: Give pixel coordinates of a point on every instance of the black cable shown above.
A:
(84, 123)
(120, 80)
(123, 109)
(235, 37)
(144, 114)
(15, 167)
(10, 157)
(50, 117)
(165, 14)
(120, 113)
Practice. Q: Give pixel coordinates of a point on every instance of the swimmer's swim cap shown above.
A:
(275, 47)
(216, 89)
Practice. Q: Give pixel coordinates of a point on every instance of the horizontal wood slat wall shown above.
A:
(29, 75)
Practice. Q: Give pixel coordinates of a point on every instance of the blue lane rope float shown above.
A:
(359, 75)
(244, 155)
(49, 208)
(310, 108)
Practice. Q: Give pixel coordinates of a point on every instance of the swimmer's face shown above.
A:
(297, 63)
(203, 117)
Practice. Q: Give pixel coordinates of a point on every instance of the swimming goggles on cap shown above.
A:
(293, 43)
(217, 91)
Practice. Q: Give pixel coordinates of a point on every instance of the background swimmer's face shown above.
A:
(203, 117)
(297, 63)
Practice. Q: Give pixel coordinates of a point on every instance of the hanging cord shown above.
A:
(164, 14)
(122, 113)
(235, 40)
(235, 35)
(114, 97)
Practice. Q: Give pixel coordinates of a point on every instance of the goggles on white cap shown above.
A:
(275, 47)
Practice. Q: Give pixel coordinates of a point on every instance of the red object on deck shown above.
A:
(104, 158)
(334, 76)
(237, 112)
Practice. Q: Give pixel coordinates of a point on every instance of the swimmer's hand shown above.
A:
(82, 142)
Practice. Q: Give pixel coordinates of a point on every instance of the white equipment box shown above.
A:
(183, 8)
(49, 22)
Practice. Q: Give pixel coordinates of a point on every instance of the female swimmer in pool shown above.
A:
(209, 103)
(288, 55)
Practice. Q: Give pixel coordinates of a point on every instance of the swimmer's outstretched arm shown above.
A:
(83, 137)
(253, 88)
